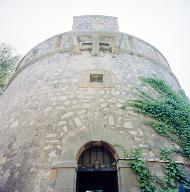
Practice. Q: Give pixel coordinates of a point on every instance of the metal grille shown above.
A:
(96, 78)
(97, 157)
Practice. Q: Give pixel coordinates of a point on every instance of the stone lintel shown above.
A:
(63, 164)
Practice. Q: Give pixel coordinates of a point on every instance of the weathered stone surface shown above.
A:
(78, 122)
(128, 125)
(67, 115)
(95, 23)
(48, 147)
(50, 108)
(14, 124)
(60, 123)
(51, 135)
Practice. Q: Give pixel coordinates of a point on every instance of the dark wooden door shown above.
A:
(96, 158)
(97, 181)
(97, 171)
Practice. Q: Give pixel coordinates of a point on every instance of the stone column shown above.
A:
(66, 176)
(95, 44)
(127, 181)
(76, 49)
(116, 44)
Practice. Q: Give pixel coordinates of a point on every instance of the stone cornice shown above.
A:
(75, 42)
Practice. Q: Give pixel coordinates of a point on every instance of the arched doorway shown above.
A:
(97, 170)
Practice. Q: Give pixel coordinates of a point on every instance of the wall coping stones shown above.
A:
(94, 23)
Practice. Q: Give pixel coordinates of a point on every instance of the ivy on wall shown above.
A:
(168, 114)
(169, 111)
(173, 174)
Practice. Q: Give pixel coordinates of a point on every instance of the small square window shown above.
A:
(96, 78)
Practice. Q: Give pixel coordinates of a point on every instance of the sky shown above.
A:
(163, 23)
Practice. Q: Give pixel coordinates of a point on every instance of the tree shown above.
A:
(8, 63)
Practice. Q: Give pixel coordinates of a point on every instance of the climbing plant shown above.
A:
(139, 167)
(169, 111)
(173, 174)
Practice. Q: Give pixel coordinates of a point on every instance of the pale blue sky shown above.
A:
(162, 23)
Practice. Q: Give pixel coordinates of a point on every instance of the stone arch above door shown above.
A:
(65, 170)
(97, 168)
(101, 143)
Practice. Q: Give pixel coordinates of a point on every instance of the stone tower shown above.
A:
(61, 113)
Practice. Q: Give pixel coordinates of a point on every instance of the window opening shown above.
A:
(96, 78)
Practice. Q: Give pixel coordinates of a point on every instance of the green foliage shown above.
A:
(169, 115)
(8, 63)
(139, 167)
(173, 174)
(169, 111)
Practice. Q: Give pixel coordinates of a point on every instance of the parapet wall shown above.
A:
(77, 42)
(95, 23)
(97, 35)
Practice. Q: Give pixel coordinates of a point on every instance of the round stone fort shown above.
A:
(61, 114)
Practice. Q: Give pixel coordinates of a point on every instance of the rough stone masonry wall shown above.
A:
(95, 23)
(46, 115)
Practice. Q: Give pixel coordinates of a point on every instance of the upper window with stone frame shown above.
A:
(96, 78)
